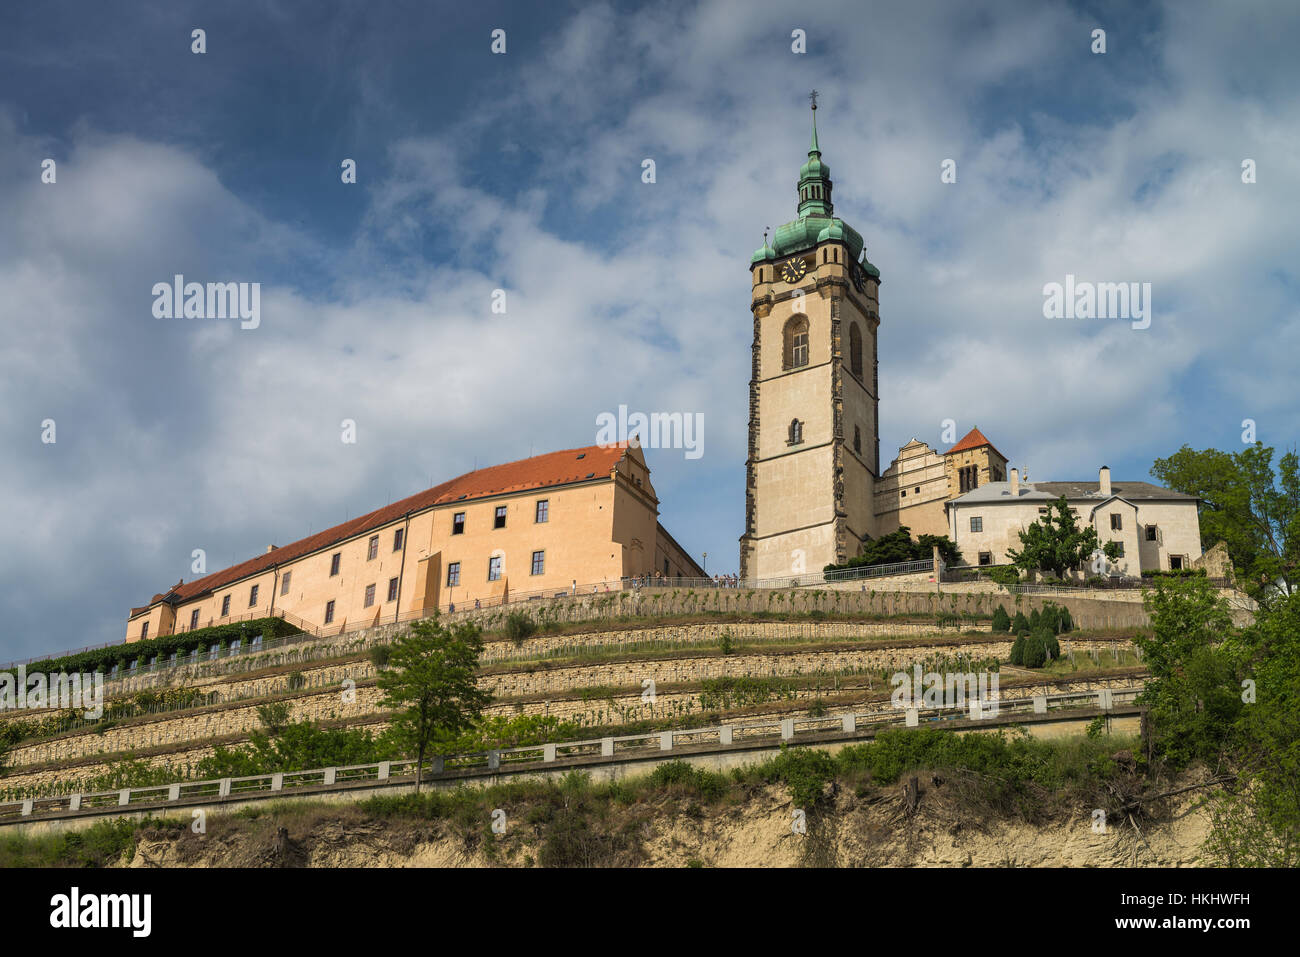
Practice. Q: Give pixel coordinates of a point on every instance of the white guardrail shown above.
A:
(788, 729)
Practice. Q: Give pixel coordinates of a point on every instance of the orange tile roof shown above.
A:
(973, 439)
(540, 471)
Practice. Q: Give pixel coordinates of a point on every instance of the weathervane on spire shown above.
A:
(813, 96)
(765, 231)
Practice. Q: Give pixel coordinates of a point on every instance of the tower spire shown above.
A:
(815, 176)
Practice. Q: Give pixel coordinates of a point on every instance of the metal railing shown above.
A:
(537, 756)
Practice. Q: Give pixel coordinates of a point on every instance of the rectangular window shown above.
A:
(214, 649)
(1119, 549)
(800, 353)
(373, 548)
(392, 589)
(494, 568)
(1116, 522)
(329, 612)
(252, 596)
(194, 619)
(370, 596)
(284, 583)
(986, 558)
(1151, 533)
(665, 568)
(225, 606)
(1175, 562)
(335, 560)
(539, 563)
(501, 517)
(256, 643)
(458, 523)
(398, 536)
(236, 645)
(172, 659)
(453, 574)
(543, 508)
(144, 631)
(977, 523)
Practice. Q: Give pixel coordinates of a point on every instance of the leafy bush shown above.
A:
(1001, 620)
(1004, 575)
(519, 626)
(1035, 619)
(379, 655)
(1020, 624)
(1018, 650)
(1035, 651)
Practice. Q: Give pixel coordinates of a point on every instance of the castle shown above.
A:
(814, 490)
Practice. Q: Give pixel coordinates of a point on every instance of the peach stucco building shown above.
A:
(537, 525)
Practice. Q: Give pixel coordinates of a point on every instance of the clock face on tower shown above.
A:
(793, 270)
(859, 280)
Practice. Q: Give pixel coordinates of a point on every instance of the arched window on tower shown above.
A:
(796, 342)
(796, 431)
(855, 349)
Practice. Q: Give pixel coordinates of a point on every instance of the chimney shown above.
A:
(1104, 481)
(270, 548)
(1015, 483)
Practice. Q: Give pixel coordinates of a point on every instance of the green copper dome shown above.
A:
(817, 222)
(764, 254)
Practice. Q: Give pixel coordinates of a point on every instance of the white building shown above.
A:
(1156, 528)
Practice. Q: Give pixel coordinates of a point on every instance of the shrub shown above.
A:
(725, 643)
(519, 626)
(1035, 619)
(1018, 650)
(1049, 619)
(1035, 653)
(1001, 620)
(1004, 575)
(1020, 624)
(379, 655)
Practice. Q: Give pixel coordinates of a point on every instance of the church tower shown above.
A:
(814, 447)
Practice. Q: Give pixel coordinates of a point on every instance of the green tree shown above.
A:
(1035, 651)
(1259, 825)
(1244, 504)
(432, 684)
(1055, 542)
(1193, 693)
(1020, 624)
(1018, 650)
(897, 547)
(1001, 620)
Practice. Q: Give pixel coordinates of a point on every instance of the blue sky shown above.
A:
(523, 172)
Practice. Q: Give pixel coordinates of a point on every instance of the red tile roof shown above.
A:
(540, 471)
(973, 439)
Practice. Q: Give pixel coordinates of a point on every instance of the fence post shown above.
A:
(223, 789)
(27, 807)
(124, 796)
(494, 760)
(438, 764)
(1104, 700)
(913, 718)
(277, 781)
(666, 741)
(849, 723)
(74, 803)
(548, 752)
(385, 768)
(724, 734)
(174, 792)
(607, 747)
(787, 729)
